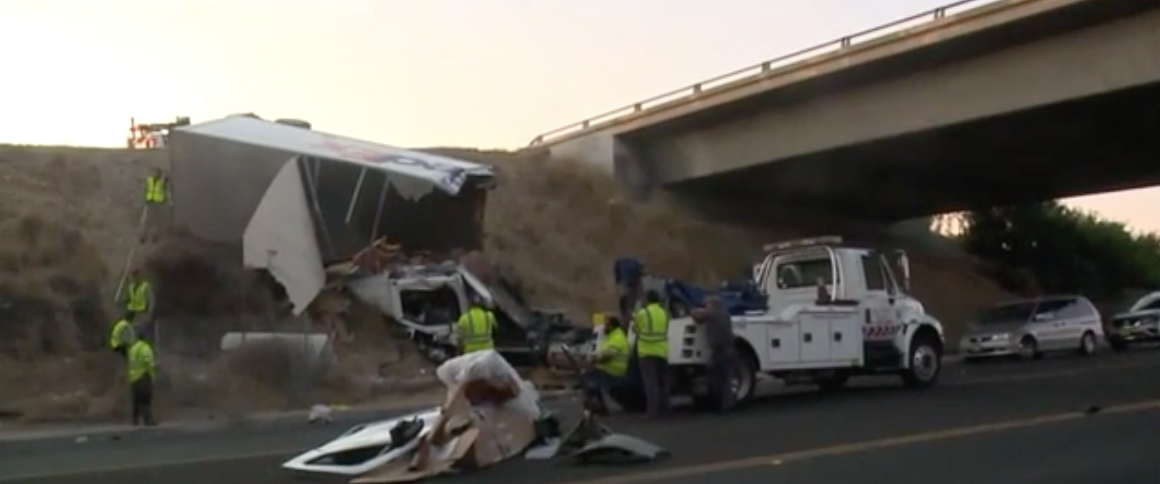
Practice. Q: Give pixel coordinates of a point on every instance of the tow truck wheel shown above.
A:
(925, 362)
(744, 381)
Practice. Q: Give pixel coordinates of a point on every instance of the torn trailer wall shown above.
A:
(220, 171)
(238, 180)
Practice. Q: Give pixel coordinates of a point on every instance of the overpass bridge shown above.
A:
(973, 104)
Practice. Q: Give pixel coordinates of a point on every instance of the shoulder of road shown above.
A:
(30, 437)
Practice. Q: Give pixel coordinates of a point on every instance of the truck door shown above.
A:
(878, 302)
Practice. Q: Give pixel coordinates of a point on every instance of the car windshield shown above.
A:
(1008, 313)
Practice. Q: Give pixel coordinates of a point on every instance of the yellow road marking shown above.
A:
(857, 447)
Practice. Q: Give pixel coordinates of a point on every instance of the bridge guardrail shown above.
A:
(691, 92)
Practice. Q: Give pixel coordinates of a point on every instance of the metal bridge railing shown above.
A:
(755, 71)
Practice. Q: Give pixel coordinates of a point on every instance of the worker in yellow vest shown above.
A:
(138, 296)
(609, 365)
(156, 188)
(475, 328)
(141, 371)
(122, 336)
(155, 215)
(652, 350)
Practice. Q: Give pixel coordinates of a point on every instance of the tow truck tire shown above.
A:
(744, 384)
(924, 361)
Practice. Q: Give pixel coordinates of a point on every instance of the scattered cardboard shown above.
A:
(462, 438)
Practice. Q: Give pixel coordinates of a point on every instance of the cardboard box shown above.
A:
(490, 436)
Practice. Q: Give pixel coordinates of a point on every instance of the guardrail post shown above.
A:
(940, 13)
(845, 42)
(696, 89)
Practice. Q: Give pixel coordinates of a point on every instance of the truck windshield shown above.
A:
(1008, 313)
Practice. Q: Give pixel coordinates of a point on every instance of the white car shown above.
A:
(366, 447)
(1031, 327)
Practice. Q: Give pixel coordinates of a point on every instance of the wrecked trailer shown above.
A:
(298, 200)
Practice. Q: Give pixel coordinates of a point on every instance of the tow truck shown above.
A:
(831, 312)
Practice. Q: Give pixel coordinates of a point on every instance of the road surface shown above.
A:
(1061, 421)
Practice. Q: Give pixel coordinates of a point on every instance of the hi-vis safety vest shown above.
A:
(616, 343)
(155, 189)
(652, 331)
(141, 362)
(121, 335)
(138, 296)
(475, 327)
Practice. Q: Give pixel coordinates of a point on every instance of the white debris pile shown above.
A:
(489, 415)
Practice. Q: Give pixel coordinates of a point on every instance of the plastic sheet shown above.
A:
(490, 367)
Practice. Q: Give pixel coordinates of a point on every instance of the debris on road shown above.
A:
(490, 414)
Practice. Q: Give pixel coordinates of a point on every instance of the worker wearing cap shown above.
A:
(475, 328)
(652, 350)
(122, 335)
(142, 371)
(609, 365)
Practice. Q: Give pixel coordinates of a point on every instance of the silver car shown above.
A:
(1031, 327)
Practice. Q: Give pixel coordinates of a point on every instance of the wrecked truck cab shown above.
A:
(366, 446)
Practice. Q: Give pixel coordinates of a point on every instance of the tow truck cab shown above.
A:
(832, 312)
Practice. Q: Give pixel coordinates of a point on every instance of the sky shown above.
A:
(418, 73)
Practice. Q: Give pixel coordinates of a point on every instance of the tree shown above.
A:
(1063, 249)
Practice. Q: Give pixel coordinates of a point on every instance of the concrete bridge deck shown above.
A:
(1013, 100)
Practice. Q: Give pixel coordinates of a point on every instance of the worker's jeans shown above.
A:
(142, 398)
(719, 378)
(596, 383)
(654, 376)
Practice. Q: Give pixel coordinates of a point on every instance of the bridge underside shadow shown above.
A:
(1098, 144)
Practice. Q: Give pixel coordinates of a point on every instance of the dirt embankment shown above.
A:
(68, 217)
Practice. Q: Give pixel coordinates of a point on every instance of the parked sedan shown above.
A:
(1140, 324)
(1031, 327)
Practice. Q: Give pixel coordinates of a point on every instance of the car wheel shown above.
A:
(1087, 344)
(1029, 349)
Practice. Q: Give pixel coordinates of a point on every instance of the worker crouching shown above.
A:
(607, 366)
(142, 371)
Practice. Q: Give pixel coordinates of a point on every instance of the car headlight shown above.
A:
(1001, 336)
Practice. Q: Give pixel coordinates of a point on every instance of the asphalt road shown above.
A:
(1005, 423)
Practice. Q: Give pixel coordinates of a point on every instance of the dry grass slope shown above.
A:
(67, 217)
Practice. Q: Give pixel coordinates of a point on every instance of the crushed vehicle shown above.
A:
(1029, 328)
(1139, 324)
(814, 312)
(426, 295)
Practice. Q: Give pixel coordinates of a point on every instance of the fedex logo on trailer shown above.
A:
(446, 176)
